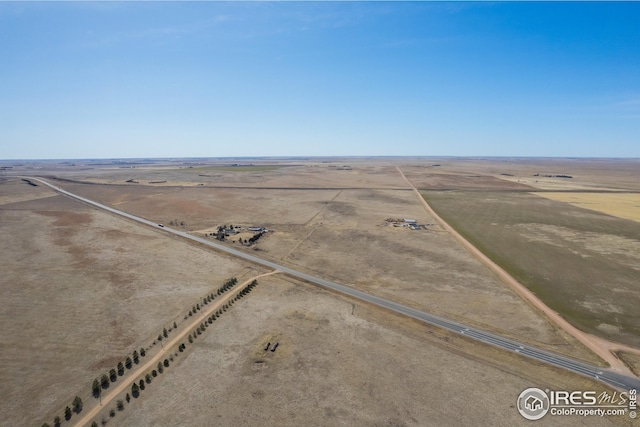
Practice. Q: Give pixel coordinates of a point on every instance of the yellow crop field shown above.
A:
(621, 205)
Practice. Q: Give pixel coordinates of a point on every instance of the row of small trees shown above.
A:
(209, 298)
(99, 385)
(138, 386)
(105, 380)
(203, 326)
(256, 237)
(77, 408)
(165, 333)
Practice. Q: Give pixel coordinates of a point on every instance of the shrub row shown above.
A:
(206, 300)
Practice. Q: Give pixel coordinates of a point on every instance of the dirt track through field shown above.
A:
(149, 364)
(599, 346)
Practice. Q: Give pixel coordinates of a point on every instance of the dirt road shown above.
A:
(598, 345)
(124, 385)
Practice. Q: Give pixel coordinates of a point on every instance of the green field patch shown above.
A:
(584, 265)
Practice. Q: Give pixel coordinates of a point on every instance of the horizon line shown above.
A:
(178, 158)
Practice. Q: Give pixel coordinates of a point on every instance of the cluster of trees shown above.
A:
(176, 222)
(255, 237)
(220, 235)
(252, 239)
(227, 285)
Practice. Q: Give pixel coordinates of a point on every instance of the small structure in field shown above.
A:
(403, 223)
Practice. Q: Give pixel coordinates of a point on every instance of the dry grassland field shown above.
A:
(578, 251)
(80, 291)
(582, 263)
(337, 364)
(340, 235)
(83, 288)
(621, 205)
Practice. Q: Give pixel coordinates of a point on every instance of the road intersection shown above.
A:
(615, 379)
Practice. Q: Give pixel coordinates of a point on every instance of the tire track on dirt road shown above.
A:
(599, 346)
(149, 364)
(313, 229)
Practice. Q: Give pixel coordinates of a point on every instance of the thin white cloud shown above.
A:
(200, 27)
(179, 30)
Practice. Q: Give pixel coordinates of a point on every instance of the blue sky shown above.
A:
(200, 79)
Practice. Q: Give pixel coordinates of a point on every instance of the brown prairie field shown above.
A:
(338, 363)
(340, 235)
(83, 288)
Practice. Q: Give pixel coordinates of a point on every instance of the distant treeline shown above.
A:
(554, 176)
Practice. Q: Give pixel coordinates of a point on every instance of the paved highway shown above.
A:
(610, 377)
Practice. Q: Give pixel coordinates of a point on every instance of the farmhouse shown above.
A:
(404, 223)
